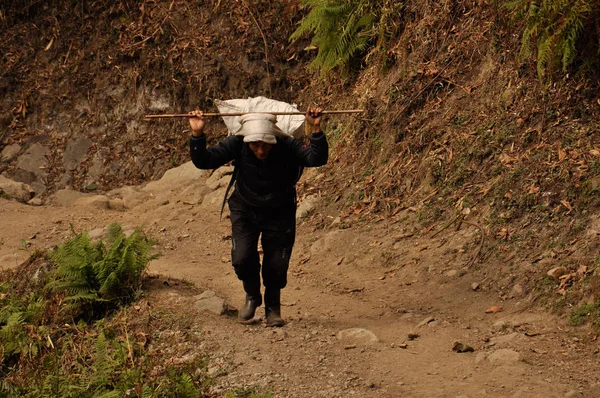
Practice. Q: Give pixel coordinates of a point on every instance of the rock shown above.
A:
(574, 394)
(279, 334)
(451, 273)
(557, 272)
(306, 206)
(336, 221)
(13, 260)
(75, 152)
(220, 174)
(18, 191)
(32, 166)
(66, 197)
(130, 195)
(413, 336)
(358, 336)
(10, 152)
(460, 347)
(116, 204)
(99, 202)
(214, 200)
(209, 301)
(504, 355)
(508, 338)
(475, 286)
(516, 292)
(500, 325)
(97, 234)
(175, 178)
(425, 321)
(35, 202)
(223, 182)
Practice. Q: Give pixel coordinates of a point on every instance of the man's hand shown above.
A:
(313, 118)
(197, 123)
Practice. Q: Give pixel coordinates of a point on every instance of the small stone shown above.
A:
(557, 272)
(426, 321)
(574, 394)
(358, 335)
(475, 286)
(116, 204)
(209, 301)
(460, 347)
(10, 152)
(504, 355)
(452, 273)
(35, 202)
(413, 336)
(500, 325)
(516, 292)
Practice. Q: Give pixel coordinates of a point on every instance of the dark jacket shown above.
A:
(263, 183)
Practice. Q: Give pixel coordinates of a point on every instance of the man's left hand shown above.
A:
(313, 118)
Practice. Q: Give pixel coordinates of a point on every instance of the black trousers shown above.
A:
(276, 228)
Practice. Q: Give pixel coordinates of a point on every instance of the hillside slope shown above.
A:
(490, 174)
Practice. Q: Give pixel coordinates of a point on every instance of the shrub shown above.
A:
(557, 28)
(96, 278)
(343, 28)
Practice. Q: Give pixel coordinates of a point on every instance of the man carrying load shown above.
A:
(268, 164)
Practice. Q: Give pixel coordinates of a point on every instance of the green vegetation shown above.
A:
(95, 278)
(343, 29)
(47, 347)
(586, 312)
(557, 28)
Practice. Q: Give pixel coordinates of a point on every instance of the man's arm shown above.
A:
(314, 155)
(215, 156)
(317, 153)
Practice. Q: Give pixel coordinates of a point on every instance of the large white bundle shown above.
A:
(290, 124)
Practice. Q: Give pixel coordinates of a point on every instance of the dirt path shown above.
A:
(386, 279)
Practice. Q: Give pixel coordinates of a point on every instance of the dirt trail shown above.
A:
(387, 278)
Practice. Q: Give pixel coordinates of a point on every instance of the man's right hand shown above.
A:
(197, 123)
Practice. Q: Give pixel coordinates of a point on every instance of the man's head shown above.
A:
(260, 131)
(260, 149)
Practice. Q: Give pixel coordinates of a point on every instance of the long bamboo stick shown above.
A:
(244, 113)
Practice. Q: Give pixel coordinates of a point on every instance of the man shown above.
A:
(268, 163)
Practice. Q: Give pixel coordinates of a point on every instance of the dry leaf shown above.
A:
(562, 154)
(493, 309)
(49, 44)
(567, 205)
(533, 189)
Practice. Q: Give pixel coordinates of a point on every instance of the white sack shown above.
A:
(290, 124)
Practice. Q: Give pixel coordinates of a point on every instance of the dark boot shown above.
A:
(253, 299)
(273, 307)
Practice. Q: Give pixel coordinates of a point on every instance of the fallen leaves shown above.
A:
(568, 279)
(494, 309)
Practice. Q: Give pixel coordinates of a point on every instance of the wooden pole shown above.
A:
(244, 113)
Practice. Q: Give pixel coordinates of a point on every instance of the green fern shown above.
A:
(556, 26)
(96, 278)
(341, 29)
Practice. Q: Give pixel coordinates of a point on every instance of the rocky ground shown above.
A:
(383, 309)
